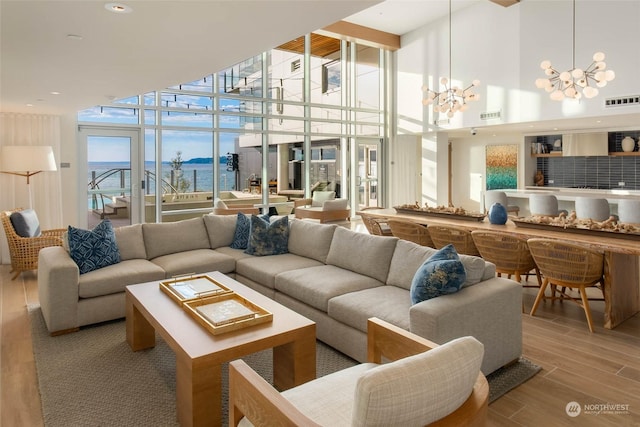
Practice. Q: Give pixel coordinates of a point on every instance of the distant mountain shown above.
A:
(204, 160)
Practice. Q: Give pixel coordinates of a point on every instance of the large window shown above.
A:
(269, 128)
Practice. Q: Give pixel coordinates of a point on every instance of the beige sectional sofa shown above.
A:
(334, 276)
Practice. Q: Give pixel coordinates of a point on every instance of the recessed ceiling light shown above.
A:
(118, 8)
(29, 105)
(74, 37)
(55, 93)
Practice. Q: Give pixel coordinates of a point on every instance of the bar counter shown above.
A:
(621, 262)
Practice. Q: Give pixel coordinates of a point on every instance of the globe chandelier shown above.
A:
(576, 82)
(452, 98)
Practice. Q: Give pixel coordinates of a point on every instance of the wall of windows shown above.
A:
(293, 117)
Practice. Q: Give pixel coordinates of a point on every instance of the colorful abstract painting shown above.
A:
(502, 166)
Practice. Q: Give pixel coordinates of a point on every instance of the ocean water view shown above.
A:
(111, 176)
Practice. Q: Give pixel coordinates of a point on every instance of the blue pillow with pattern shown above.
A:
(443, 273)
(268, 238)
(241, 235)
(243, 229)
(93, 249)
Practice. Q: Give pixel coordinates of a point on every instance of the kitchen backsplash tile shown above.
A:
(602, 172)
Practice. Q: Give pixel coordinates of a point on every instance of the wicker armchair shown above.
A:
(24, 250)
(509, 253)
(567, 265)
(376, 225)
(459, 237)
(411, 231)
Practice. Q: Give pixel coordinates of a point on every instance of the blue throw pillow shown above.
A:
(93, 249)
(25, 223)
(241, 235)
(441, 274)
(243, 229)
(268, 238)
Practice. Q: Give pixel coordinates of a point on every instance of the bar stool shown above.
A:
(509, 253)
(497, 196)
(629, 211)
(544, 204)
(567, 265)
(592, 208)
(459, 237)
(411, 231)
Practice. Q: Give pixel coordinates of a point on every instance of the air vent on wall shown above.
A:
(490, 115)
(295, 65)
(622, 101)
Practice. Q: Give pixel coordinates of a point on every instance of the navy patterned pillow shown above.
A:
(241, 235)
(441, 274)
(93, 249)
(268, 239)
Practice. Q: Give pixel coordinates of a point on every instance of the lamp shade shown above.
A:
(27, 158)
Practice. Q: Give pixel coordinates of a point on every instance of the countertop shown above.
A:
(570, 194)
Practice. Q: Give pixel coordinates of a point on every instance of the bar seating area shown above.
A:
(509, 253)
(567, 265)
(460, 238)
(411, 231)
(544, 205)
(597, 209)
(497, 196)
(611, 265)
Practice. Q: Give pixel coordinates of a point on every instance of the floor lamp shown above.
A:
(27, 160)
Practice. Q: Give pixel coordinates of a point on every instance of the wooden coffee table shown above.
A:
(200, 355)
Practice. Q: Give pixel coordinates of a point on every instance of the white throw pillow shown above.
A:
(319, 197)
(219, 204)
(335, 205)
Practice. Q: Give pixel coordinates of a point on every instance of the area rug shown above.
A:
(92, 378)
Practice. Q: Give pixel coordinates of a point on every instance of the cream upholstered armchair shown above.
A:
(323, 206)
(423, 384)
(221, 208)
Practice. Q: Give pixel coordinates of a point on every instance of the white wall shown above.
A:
(73, 186)
(468, 166)
(503, 47)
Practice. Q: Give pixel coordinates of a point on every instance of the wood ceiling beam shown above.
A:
(363, 35)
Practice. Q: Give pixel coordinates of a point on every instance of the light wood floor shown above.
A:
(590, 369)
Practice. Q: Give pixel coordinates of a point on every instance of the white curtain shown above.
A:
(31, 129)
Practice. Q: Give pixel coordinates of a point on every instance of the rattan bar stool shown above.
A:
(376, 225)
(509, 253)
(567, 265)
(459, 237)
(411, 231)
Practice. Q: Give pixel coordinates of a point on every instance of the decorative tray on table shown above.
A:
(226, 312)
(186, 288)
(440, 211)
(607, 228)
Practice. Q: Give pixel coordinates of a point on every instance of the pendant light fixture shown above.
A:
(452, 98)
(575, 82)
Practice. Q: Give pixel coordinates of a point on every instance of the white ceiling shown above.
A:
(402, 16)
(159, 44)
(165, 43)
